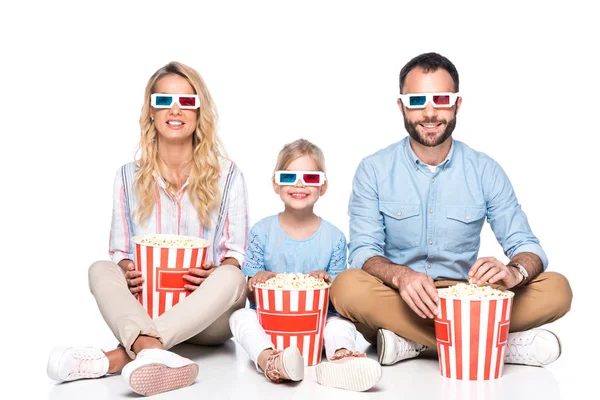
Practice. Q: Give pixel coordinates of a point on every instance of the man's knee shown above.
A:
(560, 293)
(349, 287)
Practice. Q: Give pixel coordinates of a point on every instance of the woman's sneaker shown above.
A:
(155, 371)
(72, 363)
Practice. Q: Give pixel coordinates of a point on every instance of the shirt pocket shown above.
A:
(462, 228)
(402, 224)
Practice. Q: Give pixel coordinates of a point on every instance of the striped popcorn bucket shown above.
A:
(163, 267)
(294, 317)
(471, 336)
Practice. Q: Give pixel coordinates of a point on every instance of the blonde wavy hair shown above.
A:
(297, 149)
(207, 149)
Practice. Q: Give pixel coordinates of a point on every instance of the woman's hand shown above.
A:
(320, 274)
(260, 277)
(134, 278)
(197, 276)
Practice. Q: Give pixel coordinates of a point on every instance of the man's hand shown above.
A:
(418, 291)
(197, 276)
(134, 278)
(260, 277)
(490, 270)
(320, 274)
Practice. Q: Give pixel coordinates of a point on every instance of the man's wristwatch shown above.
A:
(522, 271)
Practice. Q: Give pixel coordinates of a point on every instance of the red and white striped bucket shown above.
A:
(471, 336)
(294, 317)
(163, 268)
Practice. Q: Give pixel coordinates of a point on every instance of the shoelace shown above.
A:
(271, 371)
(347, 353)
(87, 365)
(408, 346)
(518, 349)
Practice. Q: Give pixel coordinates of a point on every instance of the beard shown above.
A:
(430, 141)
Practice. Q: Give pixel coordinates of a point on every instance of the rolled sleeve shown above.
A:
(235, 235)
(367, 232)
(120, 247)
(507, 219)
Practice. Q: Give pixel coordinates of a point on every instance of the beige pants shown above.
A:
(202, 318)
(370, 304)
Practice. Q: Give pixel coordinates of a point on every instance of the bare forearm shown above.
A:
(531, 262)
(382, 268)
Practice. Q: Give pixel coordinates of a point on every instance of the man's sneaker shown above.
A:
(392, 348)
(71, 363)
(286, 365)
(533, 347)
(352, 372)
(155, 371)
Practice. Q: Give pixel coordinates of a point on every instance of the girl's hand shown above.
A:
(320, 274)
(260, 277)
(134, 278)
(197, 276)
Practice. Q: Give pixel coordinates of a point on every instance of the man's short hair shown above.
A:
(429, 62)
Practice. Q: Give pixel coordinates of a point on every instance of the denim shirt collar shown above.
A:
(416, 163)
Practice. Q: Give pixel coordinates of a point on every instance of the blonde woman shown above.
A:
(182, 184)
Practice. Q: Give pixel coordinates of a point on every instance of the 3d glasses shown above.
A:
(308, 178)
(420, 100)
(166, 100)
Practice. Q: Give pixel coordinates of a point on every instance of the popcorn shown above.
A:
(293, 281)
(464, 290)
(176, 241)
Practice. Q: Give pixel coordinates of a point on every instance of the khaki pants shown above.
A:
(202, 318)
(370, 304)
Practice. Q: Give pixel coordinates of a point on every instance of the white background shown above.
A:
(72, 78)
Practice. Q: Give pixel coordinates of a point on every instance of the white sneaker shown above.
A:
(155, 371)
(392, 348)
(71, 363)
(533, 347)
(349, 373)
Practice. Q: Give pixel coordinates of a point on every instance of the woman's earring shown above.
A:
(152, 117)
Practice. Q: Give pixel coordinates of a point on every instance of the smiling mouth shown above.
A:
(299, 195)
(174, 123)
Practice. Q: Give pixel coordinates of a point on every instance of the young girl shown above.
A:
(298, 241)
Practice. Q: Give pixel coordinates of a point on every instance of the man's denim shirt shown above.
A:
(432, 221)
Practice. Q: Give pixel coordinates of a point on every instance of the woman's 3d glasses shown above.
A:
(166, 100)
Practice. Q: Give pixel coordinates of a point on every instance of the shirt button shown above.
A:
(431, 211)
(428, 265)
(467, 218)
(432, 179)
(431, 242)
(399, 213)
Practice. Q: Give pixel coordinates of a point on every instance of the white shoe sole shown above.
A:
(357, 374)
(157, 378)
(293, 363)
(380, 346)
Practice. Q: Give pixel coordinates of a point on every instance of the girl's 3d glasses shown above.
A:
(420, 100)
(308, 178)
(166, 100)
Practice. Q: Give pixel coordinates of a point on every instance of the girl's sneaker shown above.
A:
(354, 371)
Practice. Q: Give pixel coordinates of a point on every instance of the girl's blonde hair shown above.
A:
(204, 166)
(296, 149)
